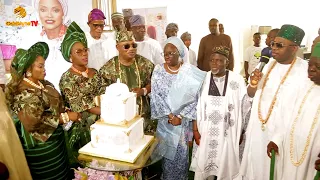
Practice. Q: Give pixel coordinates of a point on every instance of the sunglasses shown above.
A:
(279, 45)
(82, 51)
(133, 45)
(99, 25)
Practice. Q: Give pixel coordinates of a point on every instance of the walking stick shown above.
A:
(317, 177)
(273, 159)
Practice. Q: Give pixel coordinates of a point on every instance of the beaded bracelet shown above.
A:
(253, 86)
(63, 118)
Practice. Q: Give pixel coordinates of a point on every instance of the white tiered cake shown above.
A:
(118, 135)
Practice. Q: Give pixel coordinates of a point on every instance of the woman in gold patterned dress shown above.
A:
(79, 85)
(39, 113)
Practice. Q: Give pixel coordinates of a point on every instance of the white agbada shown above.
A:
(255, 163)
(101, 50)
(192, 57)
(284, 166)
(150, 49)
(219, 122)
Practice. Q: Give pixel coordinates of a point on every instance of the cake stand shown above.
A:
(150, 156)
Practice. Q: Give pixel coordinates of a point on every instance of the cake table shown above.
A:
(151, 155)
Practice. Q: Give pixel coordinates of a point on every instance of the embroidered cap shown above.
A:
(172, 26)
(127, 12)
(292, 33)
(116, 15)
(223, 50)
(316, 51)
(124, 35)
(185, 36)
(137, 20)
(96, 14)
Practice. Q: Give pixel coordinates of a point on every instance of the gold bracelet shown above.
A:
(253, 86)
(63, 118)
(66, 117)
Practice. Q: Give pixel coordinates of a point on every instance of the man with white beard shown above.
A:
(218, 127)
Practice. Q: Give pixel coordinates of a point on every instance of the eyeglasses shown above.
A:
(99, 25)
(280, 45)
(80, 52)
(133, 45)
(169, 54)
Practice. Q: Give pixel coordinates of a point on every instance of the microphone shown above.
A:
(264, 58)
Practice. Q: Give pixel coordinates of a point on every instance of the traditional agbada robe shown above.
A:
(150, 49)
(137, 75)
(219, 121)
(255, 163)
(206, 46)
(302, 122)
(101, 50)
(11, 153)
(278, 89)
(296, 156)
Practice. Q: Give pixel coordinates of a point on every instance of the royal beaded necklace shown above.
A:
(84, 73)
(293, 127)
(40, 86)
(274, 100)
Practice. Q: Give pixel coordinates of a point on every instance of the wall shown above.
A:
(79, 12)
(237, 17)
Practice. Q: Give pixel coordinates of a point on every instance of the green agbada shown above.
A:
(74, 34)
(292, 33)
(316, 51)
(23, 59)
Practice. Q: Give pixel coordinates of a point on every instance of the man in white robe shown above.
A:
(295, 156)
(279, 86)
(186, 38)
(147, 47)
(102, 48)
(217, 130)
